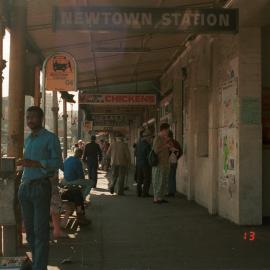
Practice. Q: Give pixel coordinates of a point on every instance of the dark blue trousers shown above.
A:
(92, 173)
(172, 179)
(35, 198)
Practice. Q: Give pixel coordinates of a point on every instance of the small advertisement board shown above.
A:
(60, 72)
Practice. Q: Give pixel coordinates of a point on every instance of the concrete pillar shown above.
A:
(213, 137)
(16, 79)
(79, 132)
(16, 102)
(2, 66)
(250, 128)
(178, 105)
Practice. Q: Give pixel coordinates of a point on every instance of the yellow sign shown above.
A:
(60, 73)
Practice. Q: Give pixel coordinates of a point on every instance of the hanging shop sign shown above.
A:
(88, 125)
(60, 72)
(110, 120)
(175, 20)
(117, 99)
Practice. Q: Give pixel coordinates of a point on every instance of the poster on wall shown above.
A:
(228, 157)
(88, 126)
(250, 111)
(229, 91)
(228, 145)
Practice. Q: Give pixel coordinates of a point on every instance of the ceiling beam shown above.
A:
(123, 75)
(125, 67)
(82, 87)
(94, 60)
(86, 44)
(87, 59)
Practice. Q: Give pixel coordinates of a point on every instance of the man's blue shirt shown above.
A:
(73, 169)
(45, 148)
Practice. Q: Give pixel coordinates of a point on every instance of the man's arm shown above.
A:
(128, 154)
(108, 154)
(99, 153)
(84, 154)
(54, 162)
(80, 170)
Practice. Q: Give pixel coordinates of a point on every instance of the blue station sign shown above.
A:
(146, 20)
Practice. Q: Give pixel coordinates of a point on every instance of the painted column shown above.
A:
(16, 79)
(37, 94)
(250, 128)
(55, 110)
(65, 116)
(16, 102)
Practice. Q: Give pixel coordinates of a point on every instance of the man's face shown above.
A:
(33, 119)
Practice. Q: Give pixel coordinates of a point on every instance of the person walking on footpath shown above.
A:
(161, 171)
(120, 160)
(175, 152)
(92, 156)
(41, 161)
(144, 170)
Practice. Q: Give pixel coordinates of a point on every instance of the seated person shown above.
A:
(74, 174)
(55, 209)
(75, 196)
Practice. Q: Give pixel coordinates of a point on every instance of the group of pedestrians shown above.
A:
(163, 174)
(43, 158)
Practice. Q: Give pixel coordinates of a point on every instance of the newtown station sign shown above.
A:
(146, 20)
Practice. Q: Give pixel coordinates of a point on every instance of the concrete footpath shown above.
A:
(131, 233)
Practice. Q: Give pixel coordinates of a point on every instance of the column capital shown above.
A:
(55, 109)
(2, 67)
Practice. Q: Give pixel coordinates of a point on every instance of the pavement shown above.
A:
(130, 233)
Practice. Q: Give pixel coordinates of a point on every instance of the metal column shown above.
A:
(65, 116)
(55, 110)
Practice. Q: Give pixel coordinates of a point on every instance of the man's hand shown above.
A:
(28, 163)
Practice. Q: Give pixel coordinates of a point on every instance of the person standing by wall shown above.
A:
(92, 156)
(120, 160)
(161, 171)
(42, 160)
(144, 173)
(175, 153)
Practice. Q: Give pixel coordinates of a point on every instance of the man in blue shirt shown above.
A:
(73, 172)
(42, 159)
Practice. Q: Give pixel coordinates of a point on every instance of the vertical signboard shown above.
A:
(60, 72)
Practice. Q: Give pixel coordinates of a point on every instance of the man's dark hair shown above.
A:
(93, 138)
(164, 126)
(36, 109)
